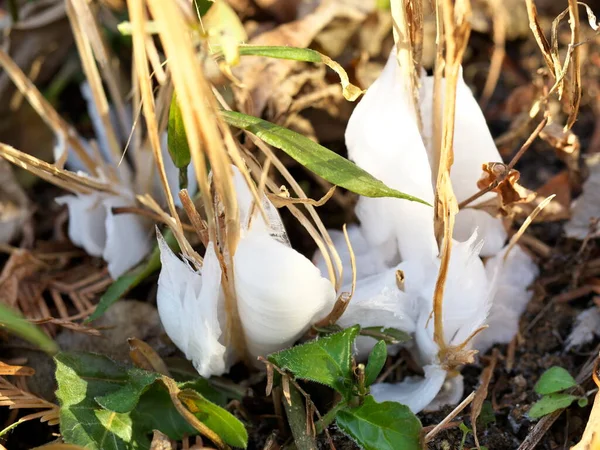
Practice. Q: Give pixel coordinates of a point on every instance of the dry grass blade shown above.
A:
(481, 394)
(456, 411)
(78, 13)
(282, 199)
(576, 66)
(538, 33)
(10, 370)
(62, 129)
(16, 398)
(62, 178)
(77, 327)
(499, 17)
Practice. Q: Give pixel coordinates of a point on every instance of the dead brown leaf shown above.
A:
(145, 357)
(10, 370)
(498, 178)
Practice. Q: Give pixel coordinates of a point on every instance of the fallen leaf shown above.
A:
(505, 182)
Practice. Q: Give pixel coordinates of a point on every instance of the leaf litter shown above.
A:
(56, 285)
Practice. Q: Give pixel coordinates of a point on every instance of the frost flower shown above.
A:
(122, 240)
(397, 236)
(279, 292)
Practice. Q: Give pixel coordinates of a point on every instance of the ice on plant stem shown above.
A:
(384, 138)
(279, 292)
(122, 240)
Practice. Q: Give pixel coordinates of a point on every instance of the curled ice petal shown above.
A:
(383, 138)
(280, 293)
(87, 221)
(490, 230)
(188, 304)
(587, 326)
(473, 142)
(121, 240)
(510, 280)
(414, 392)
(368, 262)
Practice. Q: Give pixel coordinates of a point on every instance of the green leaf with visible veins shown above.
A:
(107, 406)
(381, 426)
(316, 158)
(326, 360)
(555, 379)
(550, 403)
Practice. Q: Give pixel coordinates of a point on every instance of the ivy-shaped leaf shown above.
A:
(381, 426)
(550, 403)
(107, 406)
(327, 360)
(555, 379)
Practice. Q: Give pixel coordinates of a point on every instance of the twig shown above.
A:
(429, 436)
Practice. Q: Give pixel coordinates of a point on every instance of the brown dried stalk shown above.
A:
(456, 30)
(16, 398)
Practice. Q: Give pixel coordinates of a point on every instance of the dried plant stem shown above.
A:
(499, 24)
(457, 30)
(456, 411)
(404, 51)
(575, 67)
(47, 112)
(93, 77)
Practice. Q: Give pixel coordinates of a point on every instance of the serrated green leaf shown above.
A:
(550, 403)
(555, 379)
(316, 158)
(14, 323)
(327, 360)
(381, 426)
(222, 422)
(350, 91)
(131, 279)
(375, 362)
(176, 137)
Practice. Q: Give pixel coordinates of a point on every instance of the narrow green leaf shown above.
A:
(550, 403)
(327, 360)
(131, 279)
(222, 422)
(350, 91)
(381, 426)
(555, 379)
(375, 363)
(389, 335)
(176, 137)
(316, 158)
(13, 322)
(296, 416)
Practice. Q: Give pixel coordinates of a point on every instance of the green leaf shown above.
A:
(327, 360)
(316, 158)
(555, 379)
(375, 363)
(550, 403)
(350, 91)
(222, 422)
(131, 279)
(296, 416)
(176, 137)
(107, 406)
(486, 416)
(389, 335)
(582, 402)
(381, 426)
(13, 322)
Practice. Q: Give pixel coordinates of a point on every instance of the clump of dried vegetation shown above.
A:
(170, 168)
